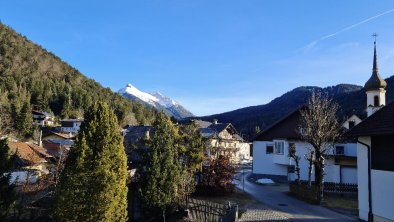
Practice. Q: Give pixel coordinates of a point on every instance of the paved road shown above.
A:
(296, 210)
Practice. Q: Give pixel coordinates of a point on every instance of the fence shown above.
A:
(330, 187)
(201, 210)
(340, 188)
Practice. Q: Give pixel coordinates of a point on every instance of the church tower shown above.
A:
(375, 88)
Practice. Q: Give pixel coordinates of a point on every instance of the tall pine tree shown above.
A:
(7, 190)
(93, 184)
(160, 177)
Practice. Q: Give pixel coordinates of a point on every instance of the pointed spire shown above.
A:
(375, 82)
(375, 70)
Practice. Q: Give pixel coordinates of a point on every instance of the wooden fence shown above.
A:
(201, 210)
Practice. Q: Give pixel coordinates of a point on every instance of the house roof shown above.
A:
(214, 129)
(40, 150)
(62, 142)
(26, 153)
(61, 135)
(284, 128)
(36, 112)
(379, 123)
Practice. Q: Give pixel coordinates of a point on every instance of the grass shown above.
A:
(345, 203)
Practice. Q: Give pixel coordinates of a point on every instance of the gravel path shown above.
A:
(263, 214)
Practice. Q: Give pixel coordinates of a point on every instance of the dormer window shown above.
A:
(376, 101)
(351, 124)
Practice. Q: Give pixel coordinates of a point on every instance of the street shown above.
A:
(275, 197)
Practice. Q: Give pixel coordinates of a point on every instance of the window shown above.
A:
(279, 147)
(351, 124)
(340, 150)
(376, 101)
(269, 149)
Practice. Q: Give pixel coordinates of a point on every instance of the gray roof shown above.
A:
(62, 142)
(208, 129)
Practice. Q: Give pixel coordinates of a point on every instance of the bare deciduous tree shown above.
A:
(320, 128)
(296, 158)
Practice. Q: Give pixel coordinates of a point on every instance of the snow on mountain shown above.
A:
(145, 97)
(156, 100)
(163, 100)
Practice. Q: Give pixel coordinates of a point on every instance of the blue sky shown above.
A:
(212, 56)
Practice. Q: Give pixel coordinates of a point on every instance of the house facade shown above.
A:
(223, 139)
(71, 125)
(375, 153)
(42, 118)
(271, 154)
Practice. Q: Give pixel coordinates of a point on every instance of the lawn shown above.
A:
(347, 205)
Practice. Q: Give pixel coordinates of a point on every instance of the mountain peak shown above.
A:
(156, 100)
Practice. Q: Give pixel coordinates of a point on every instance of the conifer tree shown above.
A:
(160, 178)
(192, 157)
(93, 184)
(7, 191)
(25, 126)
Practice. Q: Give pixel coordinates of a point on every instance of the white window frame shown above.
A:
(279, 147)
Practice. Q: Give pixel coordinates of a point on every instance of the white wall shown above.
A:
(362, 177)
(383, 193)
(276, 164)
(371, 109)
(349, 175)
(263, 162)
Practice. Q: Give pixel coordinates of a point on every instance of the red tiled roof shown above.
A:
(25, 153)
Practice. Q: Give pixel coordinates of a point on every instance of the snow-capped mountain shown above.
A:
(156, 100)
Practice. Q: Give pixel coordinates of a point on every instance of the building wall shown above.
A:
(238, 150)
(263, 163)
(370, 100)
(277, 164)
(354, 119)
(349, 175)
(362, 177)
(382, 187)
(383, 194)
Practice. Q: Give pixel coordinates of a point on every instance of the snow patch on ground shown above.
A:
(265, 181)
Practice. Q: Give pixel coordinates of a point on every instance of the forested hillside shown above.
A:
(32, 76)
(351, 99)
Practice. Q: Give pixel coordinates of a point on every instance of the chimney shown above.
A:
(215, 121)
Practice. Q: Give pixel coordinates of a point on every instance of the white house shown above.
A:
(70, 125)
(271, 154)
(223, 139)
(375, 153)
(42, 118)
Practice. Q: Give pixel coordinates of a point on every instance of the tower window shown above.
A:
(376, 101)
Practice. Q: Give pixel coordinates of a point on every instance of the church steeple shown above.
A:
(375, 87)
(375, 82)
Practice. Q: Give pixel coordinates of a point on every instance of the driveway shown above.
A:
(296, 210)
